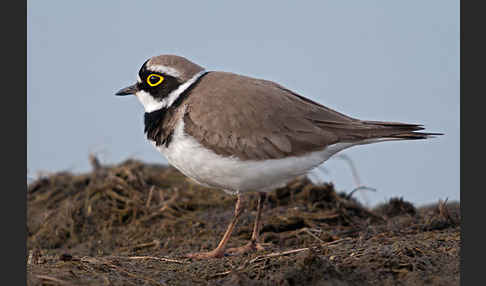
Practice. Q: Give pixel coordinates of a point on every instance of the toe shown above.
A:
(205, 255)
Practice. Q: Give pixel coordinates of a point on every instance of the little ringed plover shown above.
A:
(241, 134)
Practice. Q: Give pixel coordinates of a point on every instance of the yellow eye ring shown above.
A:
(154, 79)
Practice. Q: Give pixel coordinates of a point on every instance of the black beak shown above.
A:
(128, 90)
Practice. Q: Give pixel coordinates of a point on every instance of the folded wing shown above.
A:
(255, 119)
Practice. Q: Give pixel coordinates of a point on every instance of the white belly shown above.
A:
(234, 175)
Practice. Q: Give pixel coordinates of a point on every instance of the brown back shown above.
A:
(256, 119)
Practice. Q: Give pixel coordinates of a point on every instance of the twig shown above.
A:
(155, 242)
(171, 201)
(354, 172)
(277, 254)
(113, 194)
(307, 230)
(147, 205)
(95, 163)
(358, 189)
(49, 278)
(155, 258)
(222, 273)
(31, 254)
(444, 211)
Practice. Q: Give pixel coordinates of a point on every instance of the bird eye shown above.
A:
(154, 79)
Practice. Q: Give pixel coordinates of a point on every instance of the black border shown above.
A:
(14, 143)
(471, 116)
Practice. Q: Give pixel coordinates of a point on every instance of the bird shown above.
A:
(242, 134)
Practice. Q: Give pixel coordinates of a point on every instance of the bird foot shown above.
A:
(216, 253)
(249, 247)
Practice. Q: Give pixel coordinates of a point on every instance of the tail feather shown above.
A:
(373, 131)
(398, 130)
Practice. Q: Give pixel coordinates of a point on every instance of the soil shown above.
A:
(132, 224)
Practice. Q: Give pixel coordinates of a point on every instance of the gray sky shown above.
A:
(374, 60)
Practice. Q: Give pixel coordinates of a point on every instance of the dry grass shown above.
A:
(132, 223)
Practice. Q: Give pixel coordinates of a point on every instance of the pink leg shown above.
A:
(253, 244)
(220, 249)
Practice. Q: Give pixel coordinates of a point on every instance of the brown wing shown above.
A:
(255, 119)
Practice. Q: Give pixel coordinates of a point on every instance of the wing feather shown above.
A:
(255, 119)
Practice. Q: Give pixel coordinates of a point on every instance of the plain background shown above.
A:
(374, 60)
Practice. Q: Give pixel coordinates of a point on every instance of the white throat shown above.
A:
(151, 104)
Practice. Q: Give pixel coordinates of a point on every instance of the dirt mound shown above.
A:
(131, 224)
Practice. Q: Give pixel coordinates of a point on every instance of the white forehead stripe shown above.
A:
(164, 69)
(151, 104)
